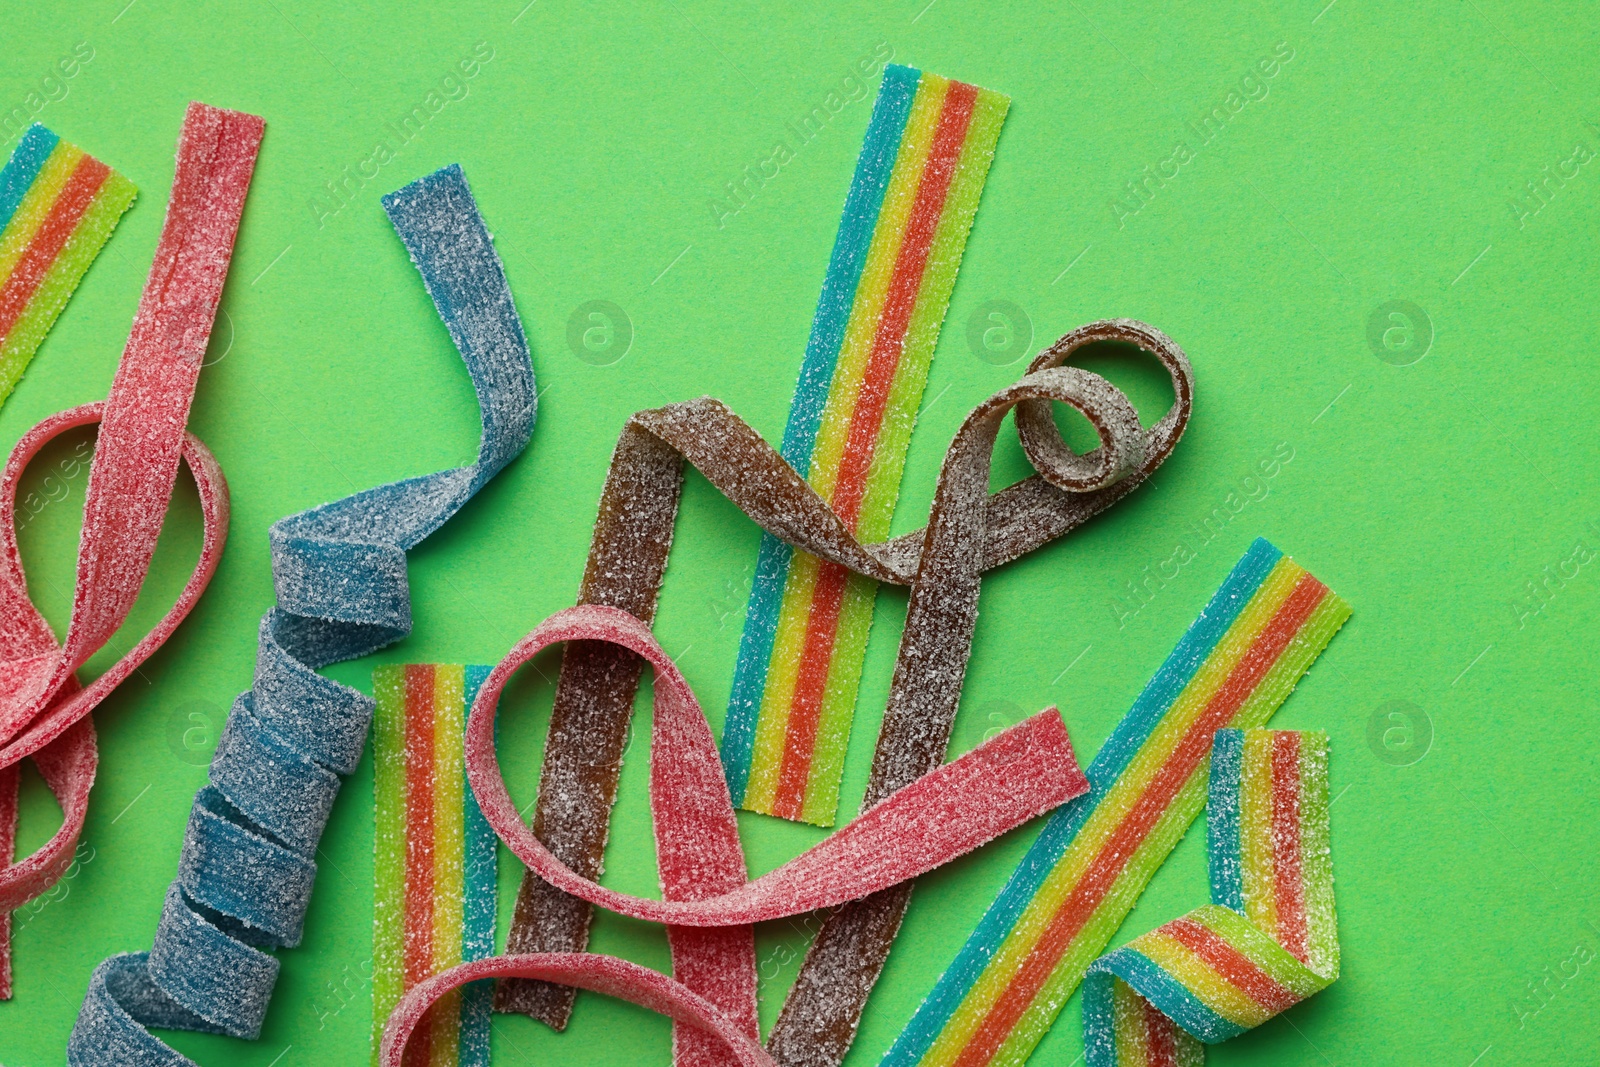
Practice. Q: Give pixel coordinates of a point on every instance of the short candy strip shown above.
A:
(1268, 939)
(339, 571)
(58, 206)
(433, 904)
(911, 203)
(1234, 667)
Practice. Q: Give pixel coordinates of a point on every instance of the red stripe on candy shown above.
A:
(76, 196)
(904, 284)
(805, 709)
(1234, 966)
(1288, 882)
(1104, 870)
(1160, 1048)
(419, 820)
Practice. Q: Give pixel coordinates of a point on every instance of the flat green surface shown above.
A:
(1452, 501)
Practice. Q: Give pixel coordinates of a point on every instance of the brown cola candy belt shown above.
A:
(969, 531)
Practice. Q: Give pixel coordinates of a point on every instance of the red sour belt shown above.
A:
(43, 709)
(707, 903)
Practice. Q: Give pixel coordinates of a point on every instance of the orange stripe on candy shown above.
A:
(1288, 880)
(1102, 873)
(1160, 1050)
(419, 838)
(1235, 967)
(76, 196)
(866, 421)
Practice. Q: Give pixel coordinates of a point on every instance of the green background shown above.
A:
(1383, 163)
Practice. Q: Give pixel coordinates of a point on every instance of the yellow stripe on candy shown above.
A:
(1255, 831)
(783, 670)
(873, 290)
(1108, 815)
(839, 701)
(1127, 1013)
(449, 850)
(36, 204)
(1198, 977)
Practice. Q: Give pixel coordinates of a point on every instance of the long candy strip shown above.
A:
(1236, 664)
(916, 188)
(970, 532)
(1025, 771)
(339, 570)
(58, 205)
(433, 905)
(1267, 941)
(43, 708)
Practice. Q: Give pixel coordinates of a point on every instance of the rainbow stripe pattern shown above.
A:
(1234, 666)
(434, 904)
(58, 206)
(1267, 941)
(916, 188)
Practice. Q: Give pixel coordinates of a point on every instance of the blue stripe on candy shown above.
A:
(755, 653)
(26, 162)
(862, 206)
(1222, 820)
(1165, 992)
(1179, 669)
(478, 900)
(1099, 1022)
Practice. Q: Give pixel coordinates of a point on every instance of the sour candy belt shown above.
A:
(707, 904)
(916, 188)
(434, 869)
(339, 570)
(1236, 664)
(969, 532)
(58, 205)
(43, 709)
(1267, 940)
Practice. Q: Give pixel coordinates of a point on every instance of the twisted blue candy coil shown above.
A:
(246, 870)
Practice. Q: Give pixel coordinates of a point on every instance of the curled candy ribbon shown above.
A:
(969, 532)
(43, 708)
(708, 905)
(246, 871)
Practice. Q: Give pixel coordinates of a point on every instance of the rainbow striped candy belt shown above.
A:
(1233, 668)
(58, 205)
(1267, 940)
(911, 203)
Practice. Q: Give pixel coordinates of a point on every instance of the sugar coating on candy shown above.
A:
(339, 575)
(48, 240)
(728, 1039)
(1023, 772)
(58, 206)
(971, 531)
(916, 188)
(1233, 668)
(1268, 939)
(434, 870)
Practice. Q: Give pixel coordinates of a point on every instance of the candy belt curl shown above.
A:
(943, 810)
(1268, 939)
(246, 870)
(43, 708)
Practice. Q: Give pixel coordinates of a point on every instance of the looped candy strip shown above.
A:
(1234, 667)
(58, 206)
(969, 532)
(43, 708)
(707, 903)
(339, 570)
(1267, 940)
